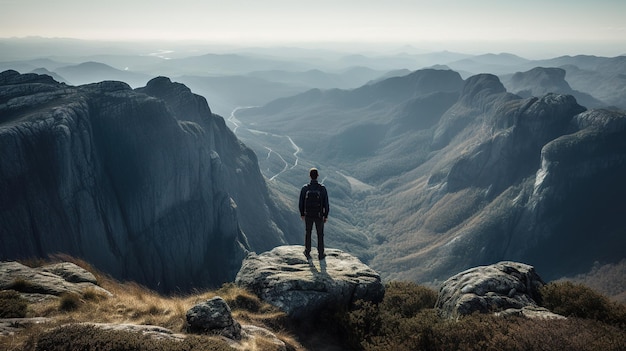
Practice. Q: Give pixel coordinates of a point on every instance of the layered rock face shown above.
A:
(145, 185)
(536, 180)
(284, 278)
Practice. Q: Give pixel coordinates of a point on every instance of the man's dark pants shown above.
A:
(319, 228)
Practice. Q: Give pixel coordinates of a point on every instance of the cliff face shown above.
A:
(535, 180)
(146, 185)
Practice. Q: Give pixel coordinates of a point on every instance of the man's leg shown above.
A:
(308, 228)
(319, 228)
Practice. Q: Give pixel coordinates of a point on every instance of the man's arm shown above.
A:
(325, 206)
(301, 201)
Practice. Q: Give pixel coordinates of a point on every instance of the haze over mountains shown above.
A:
(435, 162)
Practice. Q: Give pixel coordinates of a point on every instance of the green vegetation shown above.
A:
(89, 338)
(576, 300)
(406, 320)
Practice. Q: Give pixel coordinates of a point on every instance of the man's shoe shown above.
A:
(307, 254)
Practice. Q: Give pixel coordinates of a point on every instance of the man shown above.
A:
(314, 208)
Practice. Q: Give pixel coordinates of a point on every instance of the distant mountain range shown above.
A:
(256, 76)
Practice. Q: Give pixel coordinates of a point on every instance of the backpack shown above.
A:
(313, 201)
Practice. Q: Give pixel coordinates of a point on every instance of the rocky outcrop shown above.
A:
(506, 287)
(10, 326)
(546, 80)
(145, 185)
(151, 331)
(519, 132)
(284, 278)
(213, 316)
(480, 95)
(53, 279)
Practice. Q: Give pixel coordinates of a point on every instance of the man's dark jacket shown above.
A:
(323, 198)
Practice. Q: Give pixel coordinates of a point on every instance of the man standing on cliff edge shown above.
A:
(314, 208)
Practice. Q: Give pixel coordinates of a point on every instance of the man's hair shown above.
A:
(313, 173)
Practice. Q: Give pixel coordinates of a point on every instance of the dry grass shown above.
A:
(132, 303)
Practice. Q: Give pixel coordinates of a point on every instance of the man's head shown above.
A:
(313, 173)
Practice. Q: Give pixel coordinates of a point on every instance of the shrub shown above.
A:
(69, 302)
(22, 285)
(12, 305)
(577, 300)
(407, 298)
(246, 301)
(402, 322)
(92, 294)
(240, 298)
(90, 338)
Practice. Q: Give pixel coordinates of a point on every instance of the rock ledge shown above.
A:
(284, 278)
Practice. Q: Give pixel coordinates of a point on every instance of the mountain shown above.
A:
(488, 63)
(225, 64)
(540, 81)
(352, 77)
(347, 125)
(607, 87)
(146, 184)
(229, 92)
(26, 66)
(43, 71)
(461, 172)
(93, 72)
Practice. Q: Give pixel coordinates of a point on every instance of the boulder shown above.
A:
(251, 333)
(152, 331)
(494, 288)
(284, 278)
(42, 280)
(70, 272)
(213, 316)
(10, 326)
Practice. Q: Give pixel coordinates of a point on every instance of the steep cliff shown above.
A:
(536, 179)
(146, 185)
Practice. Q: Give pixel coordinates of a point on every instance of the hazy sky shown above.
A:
(560, 26)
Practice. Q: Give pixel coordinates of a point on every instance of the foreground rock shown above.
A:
(213, 316)
(10, 326)
(284, 278)
(153, 331)
(54, 279)
(510, 288)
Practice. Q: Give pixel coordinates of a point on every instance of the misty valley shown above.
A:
(169, 170)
